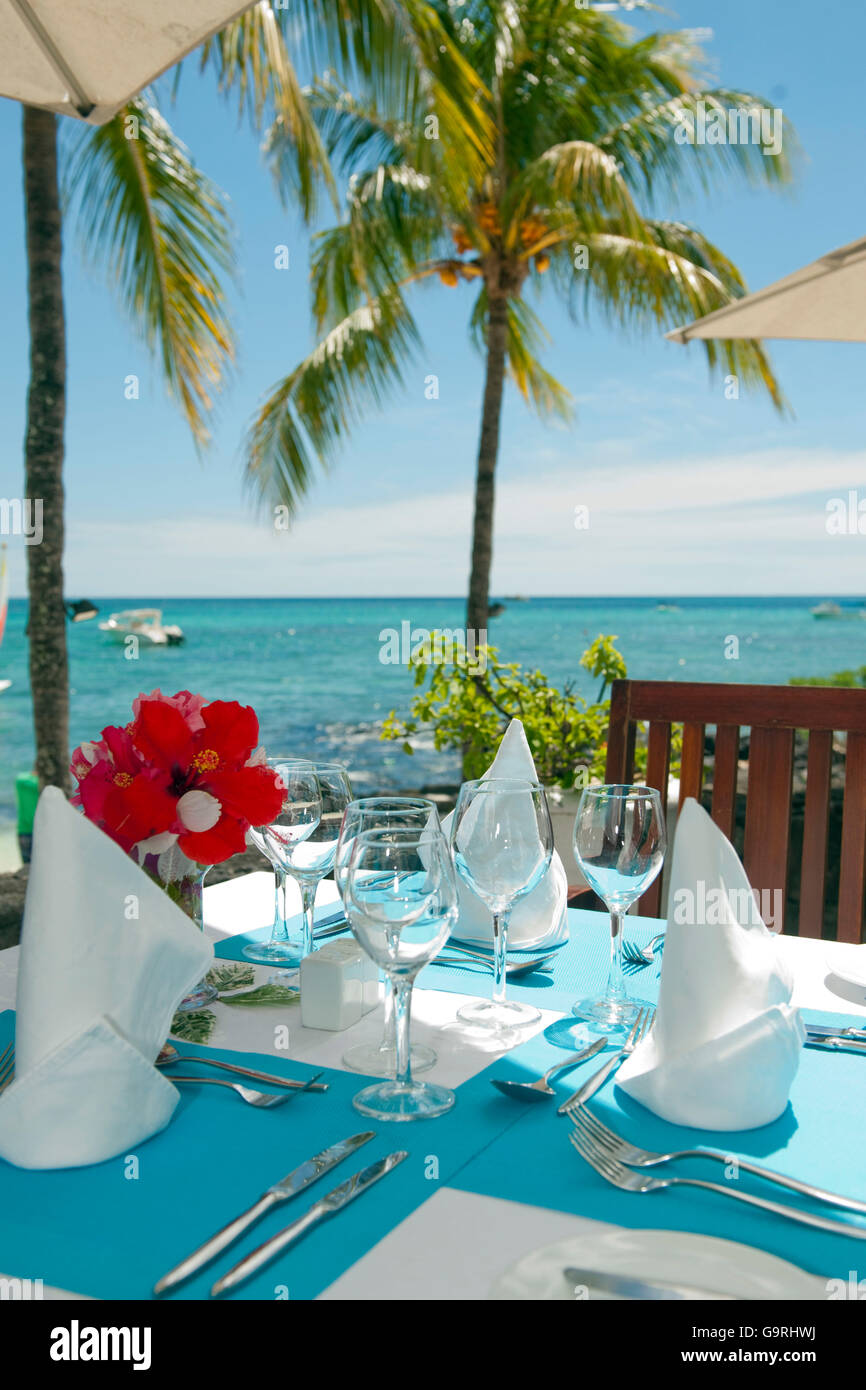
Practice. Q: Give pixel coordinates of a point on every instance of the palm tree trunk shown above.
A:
(488, 450)
(43, 449)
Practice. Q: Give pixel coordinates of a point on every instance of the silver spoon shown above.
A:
(540, 1089)
(262, 1100)
(169, 1055)
(512, 967)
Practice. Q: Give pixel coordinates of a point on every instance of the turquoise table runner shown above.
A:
(820, 1137)
(578, 968)
(111, 1230)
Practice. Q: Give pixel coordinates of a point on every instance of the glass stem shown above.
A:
(280, 932)
(500, 949)
(401, 994)
(616, 981)
(308, 902)
(389, 1038)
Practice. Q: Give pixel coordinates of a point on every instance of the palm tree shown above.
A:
(585, 118)
(146, 211)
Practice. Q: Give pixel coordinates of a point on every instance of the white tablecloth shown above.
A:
(503, 1231)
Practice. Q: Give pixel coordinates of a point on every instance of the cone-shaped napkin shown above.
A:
(539, 919)
(726, 1042)
(106, 956)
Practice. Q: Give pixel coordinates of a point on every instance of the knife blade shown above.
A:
(332, 925)
(329, 1205)
(308, 1172)
(628, 1287)
(824, 1030)
(823, 1043)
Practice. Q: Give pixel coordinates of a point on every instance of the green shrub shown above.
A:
(470, 699)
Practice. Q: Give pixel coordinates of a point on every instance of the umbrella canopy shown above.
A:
(86, 58)
(824, 301)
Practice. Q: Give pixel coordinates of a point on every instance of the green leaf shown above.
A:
(159, 228)
(224, 977)
(195, 1027)
(267, 995)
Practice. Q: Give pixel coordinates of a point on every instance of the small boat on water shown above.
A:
(144, 623)
(829, 609)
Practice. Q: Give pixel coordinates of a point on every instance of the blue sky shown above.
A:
(688, 492)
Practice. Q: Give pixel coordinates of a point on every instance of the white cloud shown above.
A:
(727, 523)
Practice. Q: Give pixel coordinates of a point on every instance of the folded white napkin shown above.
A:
(540, 918)
(106, 956)
(726, 1042)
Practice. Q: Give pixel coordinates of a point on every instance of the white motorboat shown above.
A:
(144, 623)
(829, 609)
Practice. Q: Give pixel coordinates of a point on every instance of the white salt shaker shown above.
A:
(339, 984)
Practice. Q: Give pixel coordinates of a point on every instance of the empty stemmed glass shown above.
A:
(502, 841)
(619, 845)
(310, 859)
(307, 857)
(383, 813)
(401, 901)
(299, 816)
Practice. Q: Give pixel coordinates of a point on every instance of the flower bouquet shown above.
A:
(178, 788)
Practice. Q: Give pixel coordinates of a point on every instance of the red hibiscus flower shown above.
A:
(182, 772)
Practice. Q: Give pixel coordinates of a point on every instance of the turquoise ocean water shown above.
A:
(312, 670)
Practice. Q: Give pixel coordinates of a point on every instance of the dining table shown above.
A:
(481, 1188)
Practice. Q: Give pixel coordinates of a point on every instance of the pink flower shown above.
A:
(188, 705)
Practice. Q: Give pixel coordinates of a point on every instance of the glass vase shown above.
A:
(188, 892)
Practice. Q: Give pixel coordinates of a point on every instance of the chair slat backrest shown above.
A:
(772, 714)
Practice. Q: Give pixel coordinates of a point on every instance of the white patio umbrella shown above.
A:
(86, 58)
(825, 301)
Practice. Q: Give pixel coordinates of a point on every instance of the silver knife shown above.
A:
(829, 1043)
(294, 1182)
(628, 1287)
(333, 1202)
(823, 1030)
(332, 925)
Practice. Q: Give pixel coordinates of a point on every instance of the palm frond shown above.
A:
(658, 142)
(535, 384)
(308, 415)
(393, 225)
(143, 209)
(672, 275)
(252, 62)
(577, 173)
(526, 336)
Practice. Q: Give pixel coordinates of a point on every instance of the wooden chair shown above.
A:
(772, 713)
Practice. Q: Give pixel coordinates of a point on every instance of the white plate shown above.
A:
(704, 1262)
(848, 962)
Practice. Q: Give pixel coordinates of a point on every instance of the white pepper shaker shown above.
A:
(339, 984)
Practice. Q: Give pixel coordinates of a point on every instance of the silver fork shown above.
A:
(627, 1180)
(262, 1100)
(7, 1066)
(636, 958)
(645, 1158)
(639, 1030)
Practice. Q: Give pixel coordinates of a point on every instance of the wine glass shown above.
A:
(502, 841)
(309, 859)
(619, 845)
(298, 817)
(374, 813)
(401, 901)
